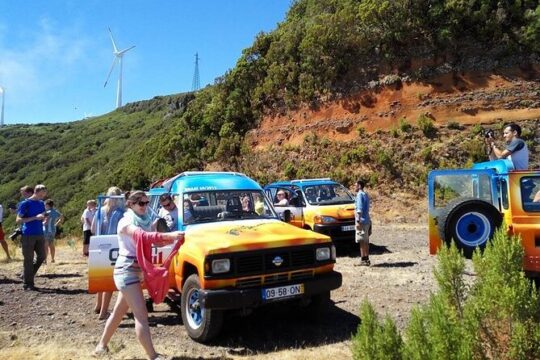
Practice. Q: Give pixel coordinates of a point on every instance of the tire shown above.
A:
(470, 223)
(201, 324)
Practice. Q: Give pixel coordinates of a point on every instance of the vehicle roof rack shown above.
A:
(316, 179)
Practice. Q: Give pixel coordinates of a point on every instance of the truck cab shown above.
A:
(237, 255)
(321, 205)
(466, 205)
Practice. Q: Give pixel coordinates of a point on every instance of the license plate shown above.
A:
(347, 228)
(282, 292)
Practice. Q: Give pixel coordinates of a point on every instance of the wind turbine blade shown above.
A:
(125, 51)
(112, 40)
(110, 71)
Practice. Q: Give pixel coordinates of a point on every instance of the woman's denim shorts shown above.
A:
(126, 272)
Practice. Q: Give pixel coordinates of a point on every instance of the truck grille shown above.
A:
(269, 261)
(275, 279)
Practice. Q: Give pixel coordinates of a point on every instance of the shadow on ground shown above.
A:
(57, 276)
(273, 329)
(399, 264)
(353, 250)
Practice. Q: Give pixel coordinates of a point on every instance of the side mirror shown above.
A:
(286, 216)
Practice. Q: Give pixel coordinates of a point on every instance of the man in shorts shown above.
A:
(362, 222)
(86, 220)
(53, 218)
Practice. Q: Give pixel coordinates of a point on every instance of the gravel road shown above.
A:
(59, 320)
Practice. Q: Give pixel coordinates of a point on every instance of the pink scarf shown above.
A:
(156, 277)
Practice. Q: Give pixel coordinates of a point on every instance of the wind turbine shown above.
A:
(2, 91)
(118, 55)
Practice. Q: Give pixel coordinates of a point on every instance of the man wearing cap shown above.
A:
(30, 214)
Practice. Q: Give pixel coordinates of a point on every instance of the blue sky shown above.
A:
(55, 54)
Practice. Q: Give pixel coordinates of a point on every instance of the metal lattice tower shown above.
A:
(196, 81)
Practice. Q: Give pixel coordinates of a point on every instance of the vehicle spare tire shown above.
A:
(470, 222)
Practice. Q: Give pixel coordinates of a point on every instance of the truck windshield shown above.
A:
(328, 194)
(211, 206)
(450, 187)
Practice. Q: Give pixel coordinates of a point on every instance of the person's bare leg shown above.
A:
(135, 299)
(120, 309)
(6, 248)
(104, 307)
(52, 250)
(97, 308)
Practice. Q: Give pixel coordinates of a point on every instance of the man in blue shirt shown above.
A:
(362, 222)
(30, 214)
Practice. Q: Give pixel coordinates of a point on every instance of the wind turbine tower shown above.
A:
(2, 92)
(118, 55)
(196, 81)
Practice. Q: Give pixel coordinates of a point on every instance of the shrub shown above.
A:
(454, 125)
(404, 126)
(426, 125)
(360, 130)
(375, 340)
(496, 317)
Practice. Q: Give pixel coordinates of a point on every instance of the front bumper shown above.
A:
(250, 298)
(335, 231)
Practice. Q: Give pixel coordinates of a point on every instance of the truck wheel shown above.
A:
(201, 324)
(470, 222)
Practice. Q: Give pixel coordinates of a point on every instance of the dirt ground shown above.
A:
(57, 321)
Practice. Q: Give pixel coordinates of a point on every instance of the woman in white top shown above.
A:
(128, 276)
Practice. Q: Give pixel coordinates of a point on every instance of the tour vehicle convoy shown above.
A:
(467, 205)
(237, 255)
(321, 205)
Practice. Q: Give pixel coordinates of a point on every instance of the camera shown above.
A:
(488, 133)
(15, 234)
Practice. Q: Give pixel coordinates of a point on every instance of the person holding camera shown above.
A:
(2, 240)
(30, 214)
(516, 149)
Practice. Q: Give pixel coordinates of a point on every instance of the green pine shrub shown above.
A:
(495, 317)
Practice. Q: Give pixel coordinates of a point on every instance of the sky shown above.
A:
(55, 54)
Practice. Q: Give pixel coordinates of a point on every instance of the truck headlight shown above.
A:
(322, 219)
(322, 254)
(220, 266)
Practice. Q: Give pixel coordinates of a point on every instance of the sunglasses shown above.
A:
(166, 205)
(280, 194)
(143, 203)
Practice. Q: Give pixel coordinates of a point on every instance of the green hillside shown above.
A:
(324, 50)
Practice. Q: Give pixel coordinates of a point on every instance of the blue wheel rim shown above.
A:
(195, 313)
(473, 229)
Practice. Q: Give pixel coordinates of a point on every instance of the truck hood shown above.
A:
(342, 211)
(235, 236)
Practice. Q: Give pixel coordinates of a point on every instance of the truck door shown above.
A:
(524, 203)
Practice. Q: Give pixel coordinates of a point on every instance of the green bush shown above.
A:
(496, 317)
(426, 125)
(404, 126)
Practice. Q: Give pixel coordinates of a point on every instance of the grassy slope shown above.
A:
(79, 160)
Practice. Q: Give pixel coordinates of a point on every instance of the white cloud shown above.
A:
(47, 57)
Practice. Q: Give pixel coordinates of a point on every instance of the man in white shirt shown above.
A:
(168, 211)
(2, 240)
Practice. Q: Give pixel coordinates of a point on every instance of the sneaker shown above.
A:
(30, 288)
(365, 262)
(100, 351)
